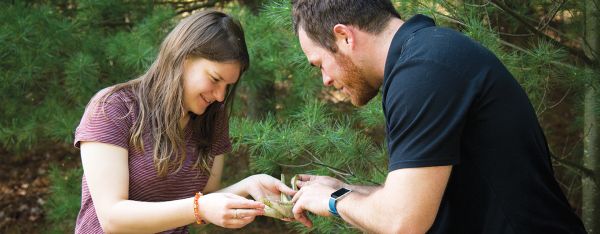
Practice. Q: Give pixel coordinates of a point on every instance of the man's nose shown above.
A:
(327, 80)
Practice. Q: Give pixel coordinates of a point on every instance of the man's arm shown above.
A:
(364, 189)
(407, 203)
(304, 179)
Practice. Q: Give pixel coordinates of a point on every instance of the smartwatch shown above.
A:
(336, 196)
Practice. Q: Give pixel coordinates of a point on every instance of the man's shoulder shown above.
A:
(438, 43)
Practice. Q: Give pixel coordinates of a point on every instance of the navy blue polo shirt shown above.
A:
(449, 101)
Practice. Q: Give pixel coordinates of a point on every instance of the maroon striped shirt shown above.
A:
(110, 122)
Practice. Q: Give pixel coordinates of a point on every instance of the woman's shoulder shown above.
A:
(113, 102)
(114, 94)
(108, 117)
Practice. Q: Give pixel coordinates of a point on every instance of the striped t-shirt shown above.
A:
(110, 122)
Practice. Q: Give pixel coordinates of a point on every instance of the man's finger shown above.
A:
(297, 196)
(301, 216)
(306, 177)
(301, 184)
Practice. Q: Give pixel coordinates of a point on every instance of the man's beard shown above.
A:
(355, 81)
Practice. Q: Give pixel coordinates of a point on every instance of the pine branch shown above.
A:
(338, 171)
(583, 171)
(574, 51)
(552, 15)
(516, 47)
(210, 3)
(506, 43)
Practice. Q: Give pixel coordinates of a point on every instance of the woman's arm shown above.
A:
(214, 181)
(107, 174)
(256, 185)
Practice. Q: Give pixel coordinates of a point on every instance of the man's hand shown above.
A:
(313, 197)
(331, 182)
(259, 186)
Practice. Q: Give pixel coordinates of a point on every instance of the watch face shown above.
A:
(340, 192)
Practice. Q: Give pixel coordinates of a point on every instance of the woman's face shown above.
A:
(205, 82)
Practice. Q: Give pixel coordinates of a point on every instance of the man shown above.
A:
(466, 152)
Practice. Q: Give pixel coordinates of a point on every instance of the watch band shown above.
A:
(335, 196)
(332, 208)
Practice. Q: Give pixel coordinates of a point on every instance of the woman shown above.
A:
(152, 146)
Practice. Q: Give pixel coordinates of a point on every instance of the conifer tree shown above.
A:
(55, 55)
(591, 155)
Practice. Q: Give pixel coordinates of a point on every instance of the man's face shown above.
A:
(338, 70)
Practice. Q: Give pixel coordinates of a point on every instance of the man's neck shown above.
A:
(381, 46)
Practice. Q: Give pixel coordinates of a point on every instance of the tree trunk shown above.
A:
(261, 102)
(591, 158)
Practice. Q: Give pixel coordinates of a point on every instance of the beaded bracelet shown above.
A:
(196, 214)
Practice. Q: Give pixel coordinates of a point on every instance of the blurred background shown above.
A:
(55, 54)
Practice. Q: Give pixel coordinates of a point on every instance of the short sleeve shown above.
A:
(425, 105)
(221, 143)
(105, 120)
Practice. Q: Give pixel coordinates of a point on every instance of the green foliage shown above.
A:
(276, 58)
(311, 140)
(324, 225)
(371, 115)
(53, 61)
(54, 55)
(65, 199)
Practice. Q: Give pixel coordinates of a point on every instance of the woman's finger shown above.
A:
(234, 196)
(239, 222)
(285, 189)
(245, 213)
(244, 204)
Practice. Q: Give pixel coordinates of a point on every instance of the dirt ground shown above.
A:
(24, 186)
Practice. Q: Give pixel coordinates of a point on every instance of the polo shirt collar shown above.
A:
(412, 25)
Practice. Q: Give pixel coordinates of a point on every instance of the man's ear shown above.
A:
(344, 35)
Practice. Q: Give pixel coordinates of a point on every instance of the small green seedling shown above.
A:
(282, 208)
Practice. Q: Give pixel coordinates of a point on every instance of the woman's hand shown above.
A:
(228, 210)
(262, 185)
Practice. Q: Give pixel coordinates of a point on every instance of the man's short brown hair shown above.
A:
(318, 17)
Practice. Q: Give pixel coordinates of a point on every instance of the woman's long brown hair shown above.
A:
(211, 35)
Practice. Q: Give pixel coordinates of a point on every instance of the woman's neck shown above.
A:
(184, 120)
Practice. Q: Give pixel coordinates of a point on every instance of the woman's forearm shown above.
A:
(238, 188)
(148, 217)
